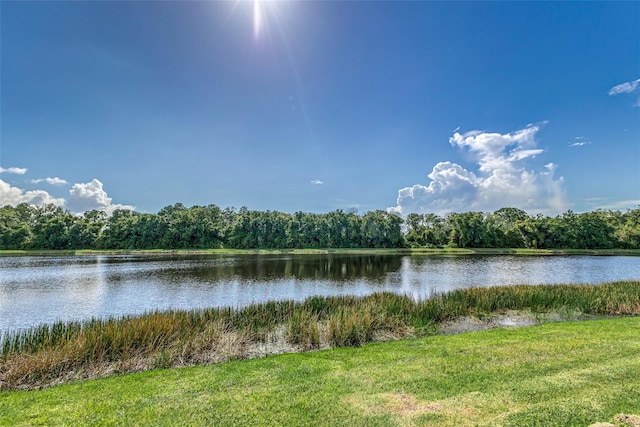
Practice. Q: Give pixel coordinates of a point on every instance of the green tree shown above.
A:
(503, 224)
(468, 230)
(16, 226)
(51, 228)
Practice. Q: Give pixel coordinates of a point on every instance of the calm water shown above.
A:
(44, 289)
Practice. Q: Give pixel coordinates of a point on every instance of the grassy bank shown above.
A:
(51, 354)
(355, 251)
(555, 374)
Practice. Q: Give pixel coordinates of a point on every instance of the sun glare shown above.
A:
(258, 18)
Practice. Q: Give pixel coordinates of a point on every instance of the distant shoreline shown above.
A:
(330, 251)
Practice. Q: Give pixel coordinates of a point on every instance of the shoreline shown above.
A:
(53, 354)
(328, 251)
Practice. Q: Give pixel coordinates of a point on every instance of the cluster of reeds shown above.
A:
(48, 354)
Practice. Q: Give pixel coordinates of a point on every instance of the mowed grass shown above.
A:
(554, 374)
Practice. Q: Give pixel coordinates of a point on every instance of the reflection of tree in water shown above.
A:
(302, 267)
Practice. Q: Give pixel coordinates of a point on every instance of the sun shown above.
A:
(265, 17)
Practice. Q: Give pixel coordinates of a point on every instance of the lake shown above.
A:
(44, 289)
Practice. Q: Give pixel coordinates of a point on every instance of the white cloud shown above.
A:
(17, 171)
(317, 182)
(84, 196)
(606, 204)
(495, 151)
(13, 196)
(91, 195)
(53, 181)
(626, 87)
(579, 141)
(501, 180)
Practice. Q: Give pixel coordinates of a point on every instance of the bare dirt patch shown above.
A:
(466, 409)
(629, 420)
(499, 320)
(508, 319)
(621, 420)
(407, 405)
(400, 404)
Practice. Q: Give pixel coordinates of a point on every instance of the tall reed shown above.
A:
(46, 354)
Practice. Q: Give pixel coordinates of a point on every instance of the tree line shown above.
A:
(203, 227)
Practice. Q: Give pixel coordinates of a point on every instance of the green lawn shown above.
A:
(575, 373)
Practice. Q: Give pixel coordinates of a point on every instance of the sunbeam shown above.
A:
(265, 18)
(258, 18)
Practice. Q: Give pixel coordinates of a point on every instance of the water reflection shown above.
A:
(34, 290)
(268, 268)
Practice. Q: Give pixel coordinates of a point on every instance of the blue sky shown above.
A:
(321, 105)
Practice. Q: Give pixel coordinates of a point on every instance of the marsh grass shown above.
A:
(50, 354)
(303, 330)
